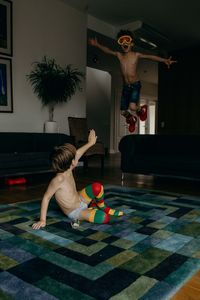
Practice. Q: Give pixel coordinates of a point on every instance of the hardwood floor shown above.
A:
(191, 290)
(36, 185)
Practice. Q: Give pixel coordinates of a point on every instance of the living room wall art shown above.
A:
(6, 97)
(6, 27)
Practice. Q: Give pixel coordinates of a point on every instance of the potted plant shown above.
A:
(53, 84)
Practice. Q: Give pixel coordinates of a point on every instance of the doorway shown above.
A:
(142, 127)
(148, 126)
(103, 114)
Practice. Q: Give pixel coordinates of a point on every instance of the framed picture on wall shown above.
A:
(6, 95)
(6, 27)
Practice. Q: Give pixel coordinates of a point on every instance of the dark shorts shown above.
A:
(130, 94)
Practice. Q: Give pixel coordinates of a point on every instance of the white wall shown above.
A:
(148, 74)
(44, 27)
(98, 106)
(101, 27)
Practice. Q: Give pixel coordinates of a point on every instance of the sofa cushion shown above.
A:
(12, 142)
(161, 154)
(16, 160)
(22, 152)
(47, 141)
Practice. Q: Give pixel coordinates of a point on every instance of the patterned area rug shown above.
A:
(146, 254)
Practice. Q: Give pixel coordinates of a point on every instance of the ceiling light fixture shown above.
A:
(148, 42)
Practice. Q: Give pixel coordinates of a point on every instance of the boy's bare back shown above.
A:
(66, 194)
(62, 186)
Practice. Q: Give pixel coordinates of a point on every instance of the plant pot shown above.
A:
(50, 127)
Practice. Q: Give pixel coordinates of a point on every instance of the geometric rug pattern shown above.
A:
(146, 254)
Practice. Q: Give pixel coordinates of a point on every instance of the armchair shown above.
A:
(78, 129)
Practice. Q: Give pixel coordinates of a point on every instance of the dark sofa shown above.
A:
(166, 155)
(27, 153)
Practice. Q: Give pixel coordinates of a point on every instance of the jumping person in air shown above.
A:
(74, 204)
(128, 59)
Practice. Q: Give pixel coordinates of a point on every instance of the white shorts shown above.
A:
(74, 214)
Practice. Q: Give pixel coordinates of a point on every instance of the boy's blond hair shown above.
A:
(62, 156)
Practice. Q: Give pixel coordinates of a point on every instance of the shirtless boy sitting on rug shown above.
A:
(74, 204)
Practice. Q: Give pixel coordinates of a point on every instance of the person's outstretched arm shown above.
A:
(91, 141)
(53, 186)
(95, 43)
(167, 61)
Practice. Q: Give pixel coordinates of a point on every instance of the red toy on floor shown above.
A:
(12, 181)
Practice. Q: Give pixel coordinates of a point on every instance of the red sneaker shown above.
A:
(131, 120)
(142, 113)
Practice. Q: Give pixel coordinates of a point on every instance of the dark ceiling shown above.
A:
(179, 20)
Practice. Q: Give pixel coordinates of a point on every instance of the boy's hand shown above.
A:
(169, 62)
(93, 42)
(39, 224)
(92, 138)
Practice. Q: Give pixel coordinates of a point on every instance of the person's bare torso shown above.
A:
(67, 196)
(128, 64)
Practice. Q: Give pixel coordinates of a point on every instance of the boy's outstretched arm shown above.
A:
(167, 61)
(95, 43)
(91, 141)
(53, 186)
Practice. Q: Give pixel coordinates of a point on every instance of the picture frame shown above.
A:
(6, 93)
(6, 27)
